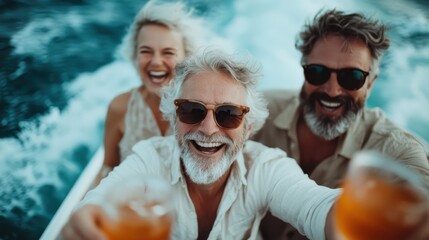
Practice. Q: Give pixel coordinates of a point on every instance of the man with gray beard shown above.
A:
(224, 183)
(325, 124)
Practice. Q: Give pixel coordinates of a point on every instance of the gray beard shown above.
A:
(326, 129)
(205, 171)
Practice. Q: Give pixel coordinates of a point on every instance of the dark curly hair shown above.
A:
(353, 25)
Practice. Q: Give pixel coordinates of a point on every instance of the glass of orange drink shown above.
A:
(139, 208)
(381, 199)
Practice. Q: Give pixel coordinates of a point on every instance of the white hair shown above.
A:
(175, 16)
(244, 71)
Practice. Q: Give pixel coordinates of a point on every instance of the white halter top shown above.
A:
(140, 124)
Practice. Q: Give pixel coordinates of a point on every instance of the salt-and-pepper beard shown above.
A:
(326, 127)
(206, 170)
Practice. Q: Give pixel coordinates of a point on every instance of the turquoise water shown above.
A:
(59, 70)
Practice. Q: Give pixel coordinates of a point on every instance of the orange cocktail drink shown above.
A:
(129, 224)
(139, 208)
(379, 202)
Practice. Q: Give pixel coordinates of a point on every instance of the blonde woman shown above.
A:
(162, 35)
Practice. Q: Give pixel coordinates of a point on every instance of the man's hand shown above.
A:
(84, 223)
(422, 232)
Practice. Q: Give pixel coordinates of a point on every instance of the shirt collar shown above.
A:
(176, 171)
(239, 168)
(354, 138)
(284, 119)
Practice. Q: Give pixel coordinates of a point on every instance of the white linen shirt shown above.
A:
(262, 178)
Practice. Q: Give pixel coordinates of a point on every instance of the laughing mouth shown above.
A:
(207, 147)
(158, 76)
(330, 104)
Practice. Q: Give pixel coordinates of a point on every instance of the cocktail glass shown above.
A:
(139, 208)
(381, 199)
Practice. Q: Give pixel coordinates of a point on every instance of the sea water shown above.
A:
(60, 67)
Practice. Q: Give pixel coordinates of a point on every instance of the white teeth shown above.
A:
(330, 104)
(209, 144)
(157, 74)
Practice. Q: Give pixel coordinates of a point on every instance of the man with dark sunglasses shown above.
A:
(224, 183)
(325, 124)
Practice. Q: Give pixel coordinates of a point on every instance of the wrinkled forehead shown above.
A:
(213, 87)
(335, 51)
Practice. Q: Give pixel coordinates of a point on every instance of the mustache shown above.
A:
(325, 97)
(348, 101)
(199, 136)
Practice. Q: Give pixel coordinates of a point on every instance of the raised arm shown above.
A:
(296, 199)
(86, 220)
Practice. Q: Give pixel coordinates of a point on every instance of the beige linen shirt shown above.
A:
(261, 178)
(371, 131)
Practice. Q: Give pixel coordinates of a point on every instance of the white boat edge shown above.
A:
(81, 186)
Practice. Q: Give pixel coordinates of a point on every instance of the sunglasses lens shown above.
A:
(348, 78)
(316, 74)
(351, 79)
(191, 112)
(229, 116)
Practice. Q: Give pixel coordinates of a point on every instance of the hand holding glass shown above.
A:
(139, 208)
(381, 199)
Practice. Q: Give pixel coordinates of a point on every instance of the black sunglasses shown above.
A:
(226, 115)
(348, 78)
